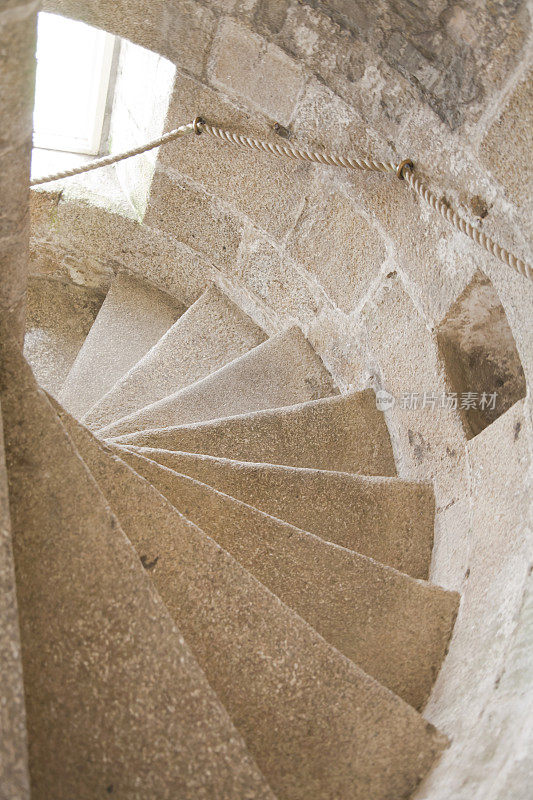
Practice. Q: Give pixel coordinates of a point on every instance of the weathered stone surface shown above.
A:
(271, 274)
(193, 217)
(14, 776)
(282, 371)
(454, 58)
(265, 189)
(480, 355)
(323, 121)
(345, 433)
(131, 320)
(442, 49)
(87, 245)
(387, 519)
(393, 627)
(261, 74)
(210, 334)
(334, 242)
(317, 725)
(17, 70)
(115, 702)
(14, 188)
(58, 318)
(17, 75)
(13, 267)
(507, 147)
(428, 438)
(483, 696)
(343, 61)
(338, 340)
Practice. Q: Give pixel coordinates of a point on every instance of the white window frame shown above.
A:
(101, 74)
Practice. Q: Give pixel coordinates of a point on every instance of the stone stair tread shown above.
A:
(210, 334)
(133, 317)
(318, 726)
(279, 372)
(388, 519)
(394, 627)
(14, 775)
(115, 702)
(345, 433)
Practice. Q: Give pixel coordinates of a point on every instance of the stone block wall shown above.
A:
(367, 270)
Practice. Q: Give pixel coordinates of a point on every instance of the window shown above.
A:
(98, 94)
(73, 75)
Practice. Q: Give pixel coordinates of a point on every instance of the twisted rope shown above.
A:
(463, 225)
(106, 161)
(297, 153)
(404, 171)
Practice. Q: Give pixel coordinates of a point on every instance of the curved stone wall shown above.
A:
(368, 272)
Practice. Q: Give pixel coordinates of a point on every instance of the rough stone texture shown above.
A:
(393, 627)
(80, 242)
(338, 246)
(211, 333)
(114, 700)
(58, 318)
(317, 725)
(383, 518)
(14, 776)
(273, 277)
(449, 52)
(131, 320)
(480, 354)
(354, 100)
(483, 696)
(17, 71)
(181, 32)
(511, 166)
(268, 194)
(344, 433)
(193, 217)
(408, 364)
(267, 78)
(282, 371)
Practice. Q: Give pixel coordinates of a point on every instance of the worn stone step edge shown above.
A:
(344, 433)
(307, 714)
(211, 333)
(132, 318)
(385, 518)
(279, 372)
(114, 697)
(395, 627)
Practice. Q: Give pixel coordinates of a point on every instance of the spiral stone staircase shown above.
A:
(215, 552)
(222, 586)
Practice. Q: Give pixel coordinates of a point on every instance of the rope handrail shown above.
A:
(404, 170)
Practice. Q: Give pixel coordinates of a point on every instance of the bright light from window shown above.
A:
(73, 69)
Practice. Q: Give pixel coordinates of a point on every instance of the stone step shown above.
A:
(345, 433)
(211, 333)
(14, 775)
(318, 726)
(59, 317)
(394, 627)
(132, 319)
(115, 702)
(283, 370)
(388, 519)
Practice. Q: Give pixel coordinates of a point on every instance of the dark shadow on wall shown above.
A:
(480, 356)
